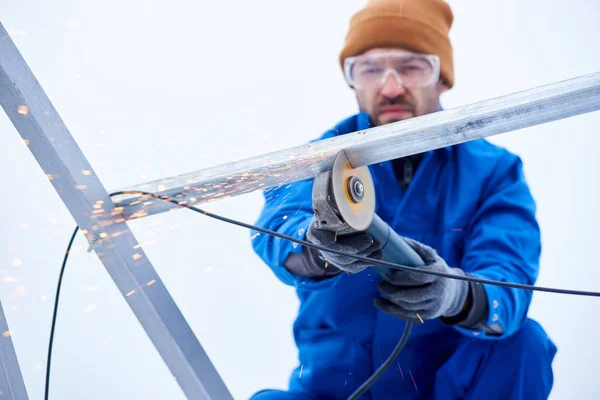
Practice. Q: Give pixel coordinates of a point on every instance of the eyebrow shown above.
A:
(410, 58)
(368, 61)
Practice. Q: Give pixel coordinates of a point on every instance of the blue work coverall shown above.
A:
(472, 204)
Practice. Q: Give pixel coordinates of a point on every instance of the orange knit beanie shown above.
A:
(417, 25)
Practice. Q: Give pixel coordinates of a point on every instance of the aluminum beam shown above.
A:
(12, 385)
(445, 128)
(74, 179)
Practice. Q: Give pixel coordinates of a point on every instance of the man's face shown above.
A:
(393, 101)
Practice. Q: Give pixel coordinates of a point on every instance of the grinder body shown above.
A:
(344, 202)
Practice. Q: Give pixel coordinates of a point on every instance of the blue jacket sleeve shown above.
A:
(503, 244)
(288, 210)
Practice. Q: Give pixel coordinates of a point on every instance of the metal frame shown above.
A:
(74, 179)
(104, 223)
(11, 381)
(428, 132)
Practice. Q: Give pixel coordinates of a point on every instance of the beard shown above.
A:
(409, 110)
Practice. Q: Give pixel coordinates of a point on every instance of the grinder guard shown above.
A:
(344, 202)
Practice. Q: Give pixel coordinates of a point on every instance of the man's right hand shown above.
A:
(359, 243)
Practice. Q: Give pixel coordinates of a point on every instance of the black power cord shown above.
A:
(58, 286)
(365, 386)
(369, 382)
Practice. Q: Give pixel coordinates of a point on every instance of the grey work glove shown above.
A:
(410, 293)
(359, 243)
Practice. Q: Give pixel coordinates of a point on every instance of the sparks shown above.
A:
(130, 293)
(420, 319)
(413, 379)
(23, 110)
(401, 373)
(117, 210)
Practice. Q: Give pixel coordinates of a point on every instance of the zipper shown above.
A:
(407, 173)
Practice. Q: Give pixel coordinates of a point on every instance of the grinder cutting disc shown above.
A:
(353, 192)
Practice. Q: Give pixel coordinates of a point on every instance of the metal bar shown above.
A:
(64, 164)
(12, 385)
(445, 128)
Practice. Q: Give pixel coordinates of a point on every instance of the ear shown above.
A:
(442, 86)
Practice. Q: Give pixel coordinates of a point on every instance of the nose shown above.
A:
(392, 85)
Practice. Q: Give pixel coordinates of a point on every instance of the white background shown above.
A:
(154, 88)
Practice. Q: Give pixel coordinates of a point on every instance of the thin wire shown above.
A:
(366, 259)
(369, 382)
(54, 314)
(307, 244)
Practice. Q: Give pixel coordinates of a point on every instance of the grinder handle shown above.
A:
(395, 249)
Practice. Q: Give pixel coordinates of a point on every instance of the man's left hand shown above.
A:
(415, 296)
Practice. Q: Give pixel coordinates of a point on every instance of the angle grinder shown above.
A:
(344, 202)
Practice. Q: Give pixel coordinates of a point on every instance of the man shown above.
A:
(465, 209)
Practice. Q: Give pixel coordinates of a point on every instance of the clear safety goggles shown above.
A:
(411, 70)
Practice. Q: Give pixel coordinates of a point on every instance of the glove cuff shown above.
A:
(476, 314)
(309, 264)
(461, 294)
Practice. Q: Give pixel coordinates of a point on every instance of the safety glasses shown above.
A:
(411, 70)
